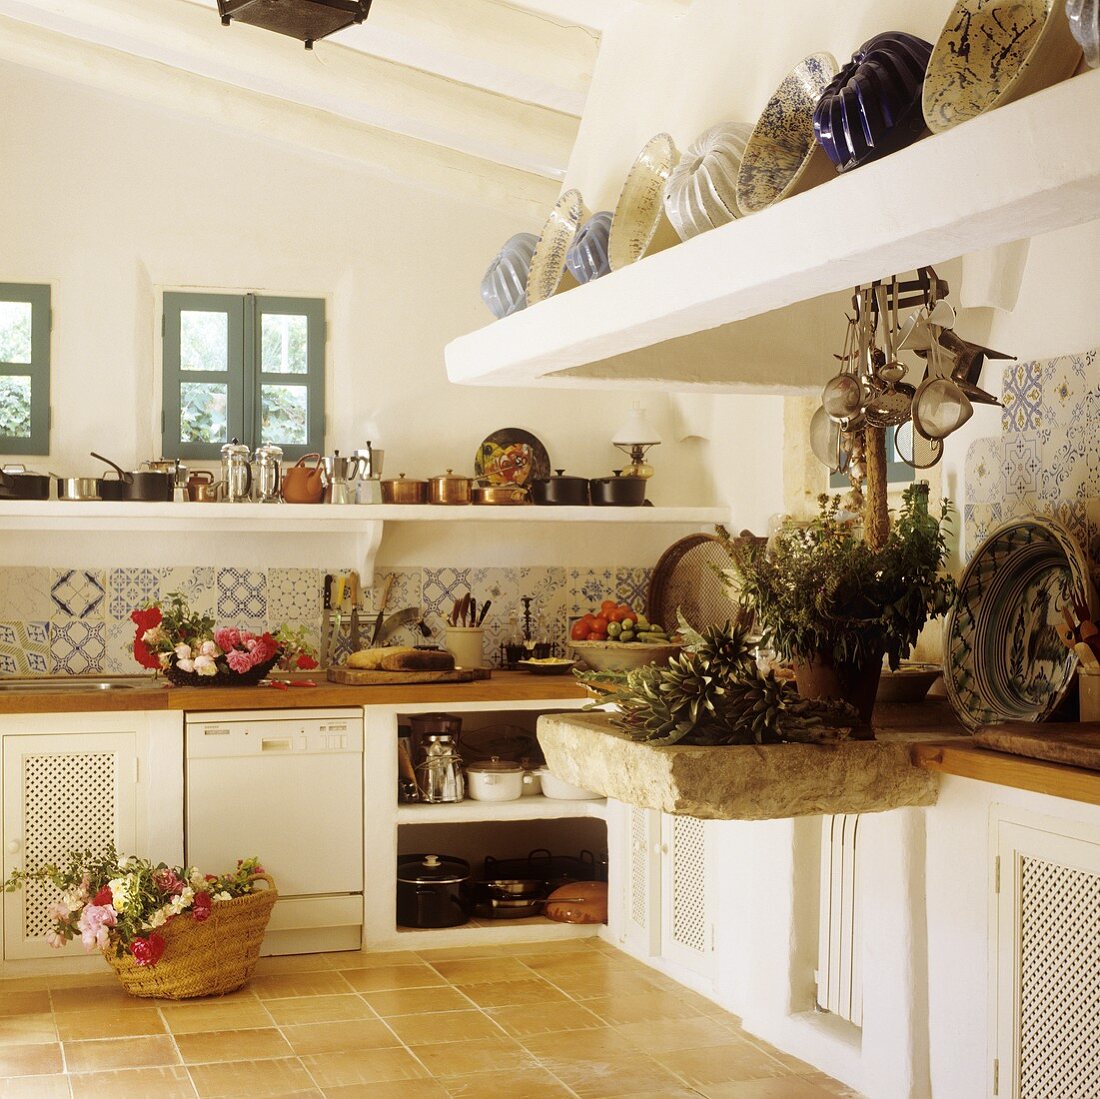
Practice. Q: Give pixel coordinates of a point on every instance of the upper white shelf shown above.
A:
(696, 316)
(527, 808)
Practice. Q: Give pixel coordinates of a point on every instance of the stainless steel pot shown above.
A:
(78, 488)
(432, 891)
(399, 490)
(449, 488)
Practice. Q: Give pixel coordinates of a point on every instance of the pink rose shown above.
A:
(168, 881)
(227, 638)
(239, 660)
(94, 923)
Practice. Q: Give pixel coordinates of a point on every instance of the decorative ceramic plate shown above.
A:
(548, 262)
(639, 218)
(701, 193)
(511, 456)
(587, 255)
(1084, 24)
(782, 157)
(1004, 660)
(873, 106)
(991, 52)
(504, 287)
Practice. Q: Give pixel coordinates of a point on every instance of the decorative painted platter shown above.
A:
(639, 224)
(782, 156)
(991, 52)
(1004, 660)
(548, 262)
(511, 456)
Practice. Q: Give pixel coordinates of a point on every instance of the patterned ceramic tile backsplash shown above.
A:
(77, 621)
(1047, 458)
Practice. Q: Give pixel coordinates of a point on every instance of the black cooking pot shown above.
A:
(432, 891)
(618, 491)
(140, 485)
(560, 489)
(17, 484)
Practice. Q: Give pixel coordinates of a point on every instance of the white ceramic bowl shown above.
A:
(559, 790)
(620, 656)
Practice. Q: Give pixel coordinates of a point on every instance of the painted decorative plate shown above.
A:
(1004, 660)
(511, 456)
(991, 52)
(547, 274)
(639, 225)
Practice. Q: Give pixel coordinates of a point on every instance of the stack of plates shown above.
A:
(1004, 659)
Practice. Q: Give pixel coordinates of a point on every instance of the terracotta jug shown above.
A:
(303, 484)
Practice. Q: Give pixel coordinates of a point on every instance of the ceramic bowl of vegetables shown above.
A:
(616, 638)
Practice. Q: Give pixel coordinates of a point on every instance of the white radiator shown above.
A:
(839, 982)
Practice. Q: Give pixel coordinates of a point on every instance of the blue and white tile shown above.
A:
(549, 586)
(632, 586)
(441, 587)
(25, 594)
(405, 590)
(24, 648)
(1022, 396)
(196, 584)
(293, 595)
(118, 655)
(130, 589)
(1073, 515)
(242, 597)
(79, 593)
(588, 588)
(77, 646)
(979, 520)
(1063, 383)
(983, 473)
(1021, 469)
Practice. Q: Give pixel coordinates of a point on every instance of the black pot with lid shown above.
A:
(618, 491)
(561, 489)
(432, 891)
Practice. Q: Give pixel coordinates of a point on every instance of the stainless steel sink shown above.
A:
(73, 684)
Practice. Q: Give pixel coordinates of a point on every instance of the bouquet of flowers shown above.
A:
(117, 903)
(191, 651)
(299, 654)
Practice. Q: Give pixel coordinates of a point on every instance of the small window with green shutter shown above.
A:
(24, 369)
(243, 366)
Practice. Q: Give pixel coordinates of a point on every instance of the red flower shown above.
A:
(200, 907)
(306, 662)
(146, 619)
(147, 951)
(103, 896)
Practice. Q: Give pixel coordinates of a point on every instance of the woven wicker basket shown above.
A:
(209, 958)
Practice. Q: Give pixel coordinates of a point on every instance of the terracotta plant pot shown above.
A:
(819, 677)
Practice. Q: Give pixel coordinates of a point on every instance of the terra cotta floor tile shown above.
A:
(139, 1083)
(319, 1009)
(413, 1001)
(392, 1089)
(132, 1022)
(353, 1034)
(523, 1022)
(720, 1064)
(18, 1030)
(234, 1079)
(444, 1026)
(531, 1083)
(366, 1066)
(35, 1087)
(233, 1045)
(384, 978)
(323, 982)
(512, 993)
(107, 1054)
(211, 1015)
(30, 1059)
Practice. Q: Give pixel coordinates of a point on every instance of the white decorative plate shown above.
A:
(639, 225)
(548, 263)
(782, 156)
(1004, 660)
(701, 193)
(991, 52)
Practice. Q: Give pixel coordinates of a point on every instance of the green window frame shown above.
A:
(243, 390)
(35, 438)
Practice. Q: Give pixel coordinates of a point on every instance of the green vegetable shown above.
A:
(626, 635)
(642, 623)
(614, 629)
(627, 623)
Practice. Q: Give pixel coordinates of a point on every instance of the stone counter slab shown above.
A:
(740, 782)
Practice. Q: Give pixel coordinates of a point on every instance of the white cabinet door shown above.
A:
(686, 931)
(1047, 972)
(641, 882)
(62, 793)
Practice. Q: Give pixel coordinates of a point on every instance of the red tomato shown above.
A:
(607, 605)
(615, 615)
(625, 609)
(580, 631)
(589, 618)
(595, 636)
(599, 625)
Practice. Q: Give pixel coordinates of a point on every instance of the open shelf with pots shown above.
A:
(471, 829)
(734, 309)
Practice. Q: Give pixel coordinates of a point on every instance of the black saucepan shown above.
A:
(432, 891)
(618, 491)
(561, 490)
(139, 485)
(17, 483)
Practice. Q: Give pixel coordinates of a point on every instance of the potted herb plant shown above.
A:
(833, 606)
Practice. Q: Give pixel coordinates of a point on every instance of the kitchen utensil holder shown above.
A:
(465, 643)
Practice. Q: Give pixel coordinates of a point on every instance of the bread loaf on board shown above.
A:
(401, 658)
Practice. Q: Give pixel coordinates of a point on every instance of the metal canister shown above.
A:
(440, 776)
(268, 478)
(236, 482)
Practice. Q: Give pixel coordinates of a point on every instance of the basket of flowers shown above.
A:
(167, 931)
(192, 652)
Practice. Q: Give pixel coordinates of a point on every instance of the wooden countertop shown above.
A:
(502, 687)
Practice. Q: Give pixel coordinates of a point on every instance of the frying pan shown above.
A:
(140, 485)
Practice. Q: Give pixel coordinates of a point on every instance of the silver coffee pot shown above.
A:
(340, 474)
(440, 776)
(236, 482)
(268, 478)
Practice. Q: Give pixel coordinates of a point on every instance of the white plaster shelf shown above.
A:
(528, 808)
(696, 315)
(739, 782)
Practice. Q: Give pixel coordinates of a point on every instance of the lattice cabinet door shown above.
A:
(641, 886)
(1047, 974)
(61, 793)
(687, 937)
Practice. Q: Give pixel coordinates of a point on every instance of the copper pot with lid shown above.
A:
(449, 488)
(404, 490)
(499, 494)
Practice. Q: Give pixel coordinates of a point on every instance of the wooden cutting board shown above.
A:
(355, 677)
(1078, 745)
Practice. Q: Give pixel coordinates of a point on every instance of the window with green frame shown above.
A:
(249, 367)
(24, 368)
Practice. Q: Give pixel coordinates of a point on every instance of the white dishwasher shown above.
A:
(286, 786)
